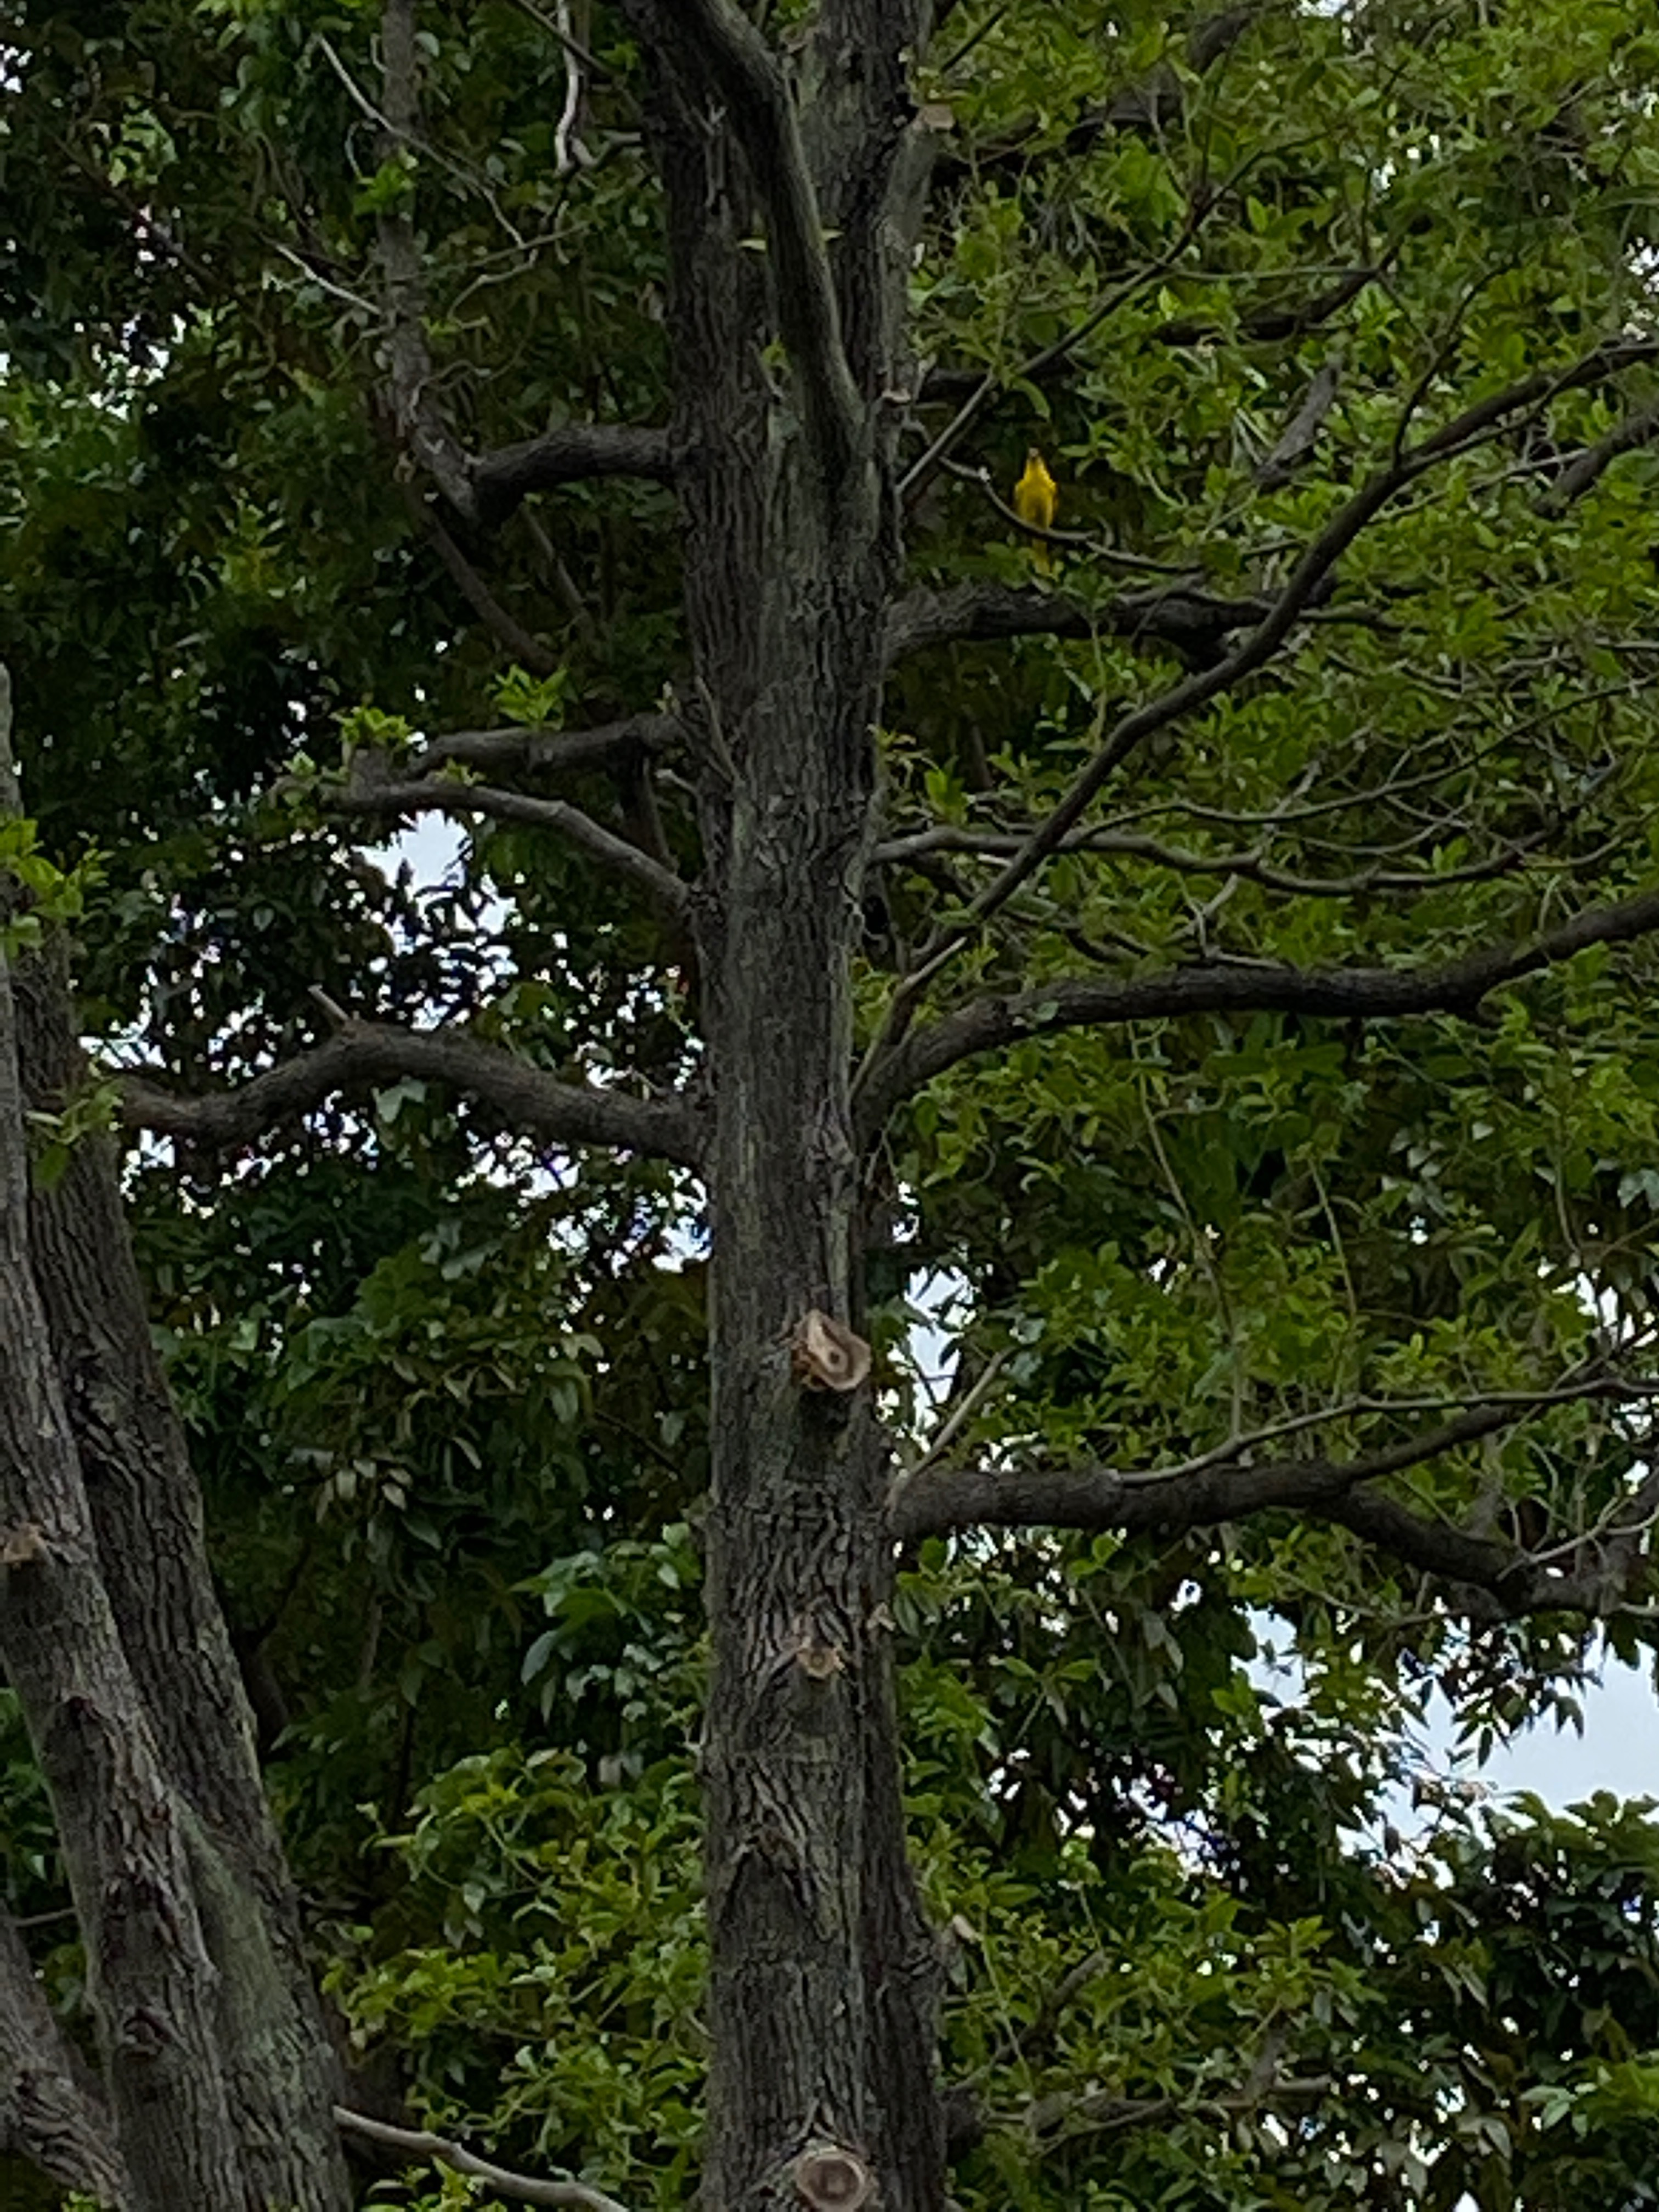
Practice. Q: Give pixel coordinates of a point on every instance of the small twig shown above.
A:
(569, 151)
(327, 284)
(524, 644)
(964, 1410)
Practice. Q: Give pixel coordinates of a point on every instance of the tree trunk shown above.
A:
(217, 2065)
(821, 1996)
(280, 2071)
(52, 2112)
(150, 1979)
(822, 1992)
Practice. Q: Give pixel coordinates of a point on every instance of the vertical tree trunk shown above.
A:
(821, 1999)
(823, 1982)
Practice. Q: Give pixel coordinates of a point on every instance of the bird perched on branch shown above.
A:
(1035, 498)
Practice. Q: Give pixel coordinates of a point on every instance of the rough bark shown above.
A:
(145, 1510)
(53, 2113)
(821, 1995)
(244, 2068)
(150, 1979)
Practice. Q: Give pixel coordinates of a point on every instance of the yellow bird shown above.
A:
(1035, 495)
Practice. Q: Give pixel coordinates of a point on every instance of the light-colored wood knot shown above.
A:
(832, 2179)
(21, 1544)
(821, 1661)
(825, 1355)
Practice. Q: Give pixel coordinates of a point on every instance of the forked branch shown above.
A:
(710, 45)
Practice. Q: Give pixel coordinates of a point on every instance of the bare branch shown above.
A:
(416, 2142)
(1193, 622)
(365, 1055)
(1640, 427)
(551, 750)
(367, 795)
(1243, 986)
(574, 452)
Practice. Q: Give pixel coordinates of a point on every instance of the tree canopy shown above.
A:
(981, 1121)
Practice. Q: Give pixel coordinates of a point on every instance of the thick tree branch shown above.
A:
(1592, 1574)
(711, 43)
(939, 1499)
(550, 751)
(364, 1055)
(1194, 622)
(870, 152)
(421, 425)
(1456, 987)
(369, 795)
(1640, 427)
(574, 452)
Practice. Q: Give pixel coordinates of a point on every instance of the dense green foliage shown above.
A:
(446, 1390)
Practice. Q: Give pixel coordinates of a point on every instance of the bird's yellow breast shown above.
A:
(1035, 494)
